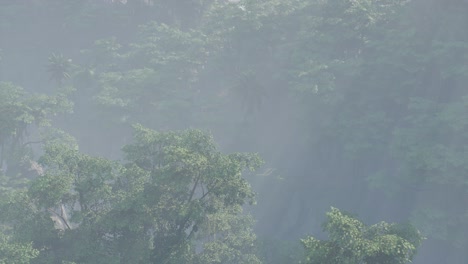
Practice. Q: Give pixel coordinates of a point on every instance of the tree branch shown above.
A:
(62, 219)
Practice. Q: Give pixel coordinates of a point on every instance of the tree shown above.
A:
(59, 68)
(155, 74)
(196, 193)
(21, 112)
(175, 200)
(353, 242)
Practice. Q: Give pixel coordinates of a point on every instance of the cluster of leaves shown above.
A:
(20, 112)
(159, 73)
(351, 241)
(11, 252)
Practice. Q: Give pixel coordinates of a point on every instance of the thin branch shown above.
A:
(32, 142)
(63, 220)
(194, 229)
(192, 193)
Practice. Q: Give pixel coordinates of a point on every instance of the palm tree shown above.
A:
(59, 68)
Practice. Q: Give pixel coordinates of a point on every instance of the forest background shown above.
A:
(361, 105)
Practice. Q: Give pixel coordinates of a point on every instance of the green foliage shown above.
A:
(11, 252)
(152, 75)
(176, 200)
(19, 111)
(351, 241)
(193, 190)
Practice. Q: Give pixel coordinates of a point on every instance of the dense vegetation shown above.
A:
(105, 108)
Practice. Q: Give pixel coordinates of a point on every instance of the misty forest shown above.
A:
(234, 131)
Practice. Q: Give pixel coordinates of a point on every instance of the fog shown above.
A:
(357, 105)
